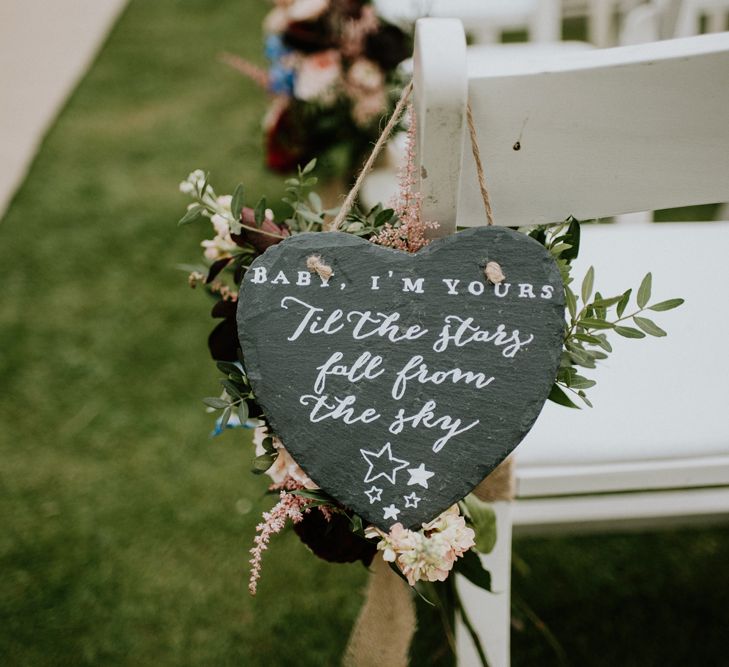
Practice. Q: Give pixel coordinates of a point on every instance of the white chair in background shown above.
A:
(602, 17)
(484, 20)
(664, 19)
(599, 133)
(691, 12)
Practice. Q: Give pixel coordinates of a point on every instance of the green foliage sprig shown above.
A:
(590, 315)
(369, 223)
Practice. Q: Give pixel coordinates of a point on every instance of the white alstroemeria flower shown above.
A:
(192, 184)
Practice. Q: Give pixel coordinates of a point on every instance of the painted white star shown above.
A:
(374, 494)
(419, 475)
(391, 512)
(412, 500)
(392, 464)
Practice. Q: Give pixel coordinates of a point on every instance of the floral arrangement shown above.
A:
(425, 557)
(332, 72)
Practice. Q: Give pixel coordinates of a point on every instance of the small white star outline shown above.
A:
(374, 494)
(419, 476)
(390, 477)
(412, 500)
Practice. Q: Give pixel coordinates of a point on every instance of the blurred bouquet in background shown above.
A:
(332, 76)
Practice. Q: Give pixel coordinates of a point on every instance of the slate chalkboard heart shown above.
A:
(402, 380)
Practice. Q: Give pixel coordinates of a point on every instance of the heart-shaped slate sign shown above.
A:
(402, 380)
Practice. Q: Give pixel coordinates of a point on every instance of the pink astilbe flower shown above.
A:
(410, 235)
(250, 70)
(289, 506)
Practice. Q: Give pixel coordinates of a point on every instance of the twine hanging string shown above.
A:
(479, 166)
(381, 141)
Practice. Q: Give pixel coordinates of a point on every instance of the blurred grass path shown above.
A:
(45, 47)
(123, 540)
(125, 529)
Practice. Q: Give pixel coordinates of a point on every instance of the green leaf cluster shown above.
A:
(308, 212)
(369, 223)
(590, 316)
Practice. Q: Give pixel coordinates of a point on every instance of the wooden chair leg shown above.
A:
(490, 613)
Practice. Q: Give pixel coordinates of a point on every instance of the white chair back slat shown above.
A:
(440, 92)
(599, 132)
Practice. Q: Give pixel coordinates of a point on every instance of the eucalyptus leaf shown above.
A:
(383, 216)
(629, 332)
(571, 302)
(604, 344)
(262, 463)
(227, 367)
(484, 522)
(581, 358)
(581, 394)
(606, 303)
(587, 284)
(594, 323)
(313, 495)
(259, 213)
(599, 309)
(205, 184)
(644, 291)
(215, 402)
(559, 249)
(309, 167)
(308, 215)
(649, 326)
(357, 525)
(194, 213)
(470, 566)
(572, 238)
(316, 202)
(236, 204)
(623, 302)
(232, 389)
(588, 338)
(556, 395)
(579, 382)
(666, 305)
(225, 418)
(243, 412)
(566, 373)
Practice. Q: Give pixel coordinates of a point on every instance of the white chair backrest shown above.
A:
(590, 134)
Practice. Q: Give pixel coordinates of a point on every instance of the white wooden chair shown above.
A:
(600, 133)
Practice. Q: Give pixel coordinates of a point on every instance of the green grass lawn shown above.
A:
(125, 529)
